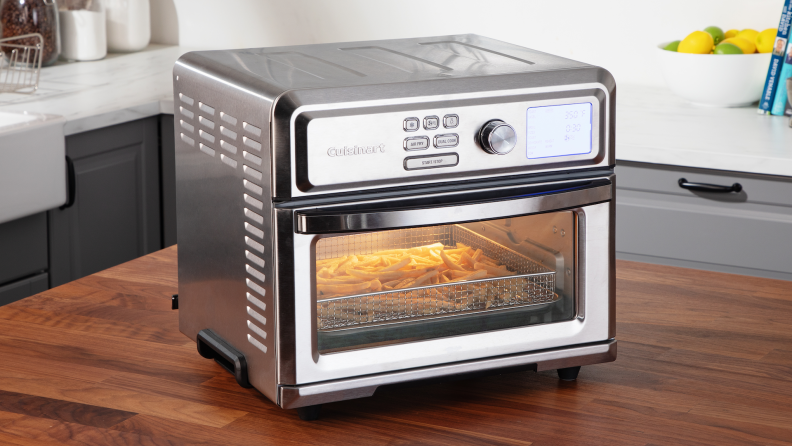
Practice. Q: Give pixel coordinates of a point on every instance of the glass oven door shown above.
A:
(403, 285)
(383, 286)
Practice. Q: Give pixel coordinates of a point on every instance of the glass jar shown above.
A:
(128, 25)
(82, 26)
(20, 17)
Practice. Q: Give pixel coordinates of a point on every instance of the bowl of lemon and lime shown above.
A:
(719, 68)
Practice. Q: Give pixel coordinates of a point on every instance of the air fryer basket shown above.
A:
(532, 284)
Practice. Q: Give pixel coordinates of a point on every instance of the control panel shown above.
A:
(437, 141)
(454, 137)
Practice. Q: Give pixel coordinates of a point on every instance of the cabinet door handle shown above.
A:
(72, 184)
(706, 187)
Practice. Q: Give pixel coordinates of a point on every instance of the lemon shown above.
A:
(765, 40)
(749, 35)
(727, 48)
(697, 42)
(673, 46)
(731, 33)
(716, 33)
(746, 46)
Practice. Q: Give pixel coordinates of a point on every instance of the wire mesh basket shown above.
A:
(20, 63)
(532, 284)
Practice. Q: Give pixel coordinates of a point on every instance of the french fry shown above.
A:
(345, 265)
(425, 277)
(333, 265)
(370, 261)
(479, 274)
(388, 275)
(344, 288)
(401, 264)
(339, 281)
(423, 260)
(455, 251)
(494, 270)
(450, 263)
(457, 274)
(404, 283)
(467, 259)
(476, 255)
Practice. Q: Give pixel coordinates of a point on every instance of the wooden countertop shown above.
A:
(704, 358)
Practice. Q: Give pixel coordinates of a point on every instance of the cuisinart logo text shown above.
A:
(355, 150)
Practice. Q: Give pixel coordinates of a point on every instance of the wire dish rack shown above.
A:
(20, 63)
(532, 284)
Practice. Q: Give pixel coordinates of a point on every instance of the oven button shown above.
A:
(497, 137)
(431, 122)
(431, 161)
(450, 121)
(447, 140)
(416, 143)
(411, 124)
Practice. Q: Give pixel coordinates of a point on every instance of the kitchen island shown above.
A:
(704, 358)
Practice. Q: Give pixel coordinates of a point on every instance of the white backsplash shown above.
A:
(616, 34)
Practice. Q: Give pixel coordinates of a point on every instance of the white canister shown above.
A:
(82, 30)
(128, 25)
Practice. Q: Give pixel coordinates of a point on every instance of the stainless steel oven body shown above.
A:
(297, 164)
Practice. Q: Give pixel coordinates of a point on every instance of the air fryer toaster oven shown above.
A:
(362, 214)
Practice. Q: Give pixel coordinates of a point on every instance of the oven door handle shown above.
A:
(311, 223)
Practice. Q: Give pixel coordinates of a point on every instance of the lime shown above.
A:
(749, 35)
(765, 40)
(727, 48)
(716, 33)
(746, 46)
(731, 33)
(673, 46)
(697, 42)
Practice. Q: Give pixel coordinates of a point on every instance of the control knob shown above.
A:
(497, 137)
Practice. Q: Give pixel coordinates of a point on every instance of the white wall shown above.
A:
(619, 35)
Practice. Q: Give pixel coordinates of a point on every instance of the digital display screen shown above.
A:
(558, 130)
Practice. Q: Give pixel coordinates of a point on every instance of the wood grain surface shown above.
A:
(704, 359)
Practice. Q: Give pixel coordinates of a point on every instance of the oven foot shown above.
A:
(569, 373)
(309, 413)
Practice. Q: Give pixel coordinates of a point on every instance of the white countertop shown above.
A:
(114, 90)
(652, 125)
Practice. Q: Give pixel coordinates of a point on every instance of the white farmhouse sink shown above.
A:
(32, 164)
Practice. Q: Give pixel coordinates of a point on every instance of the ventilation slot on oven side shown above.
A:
(255, 280)
(210, 133)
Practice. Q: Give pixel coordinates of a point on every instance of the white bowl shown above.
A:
(718, 80)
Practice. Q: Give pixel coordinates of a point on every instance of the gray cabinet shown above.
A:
(749, 232)
(23, 257)
(116, 215)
